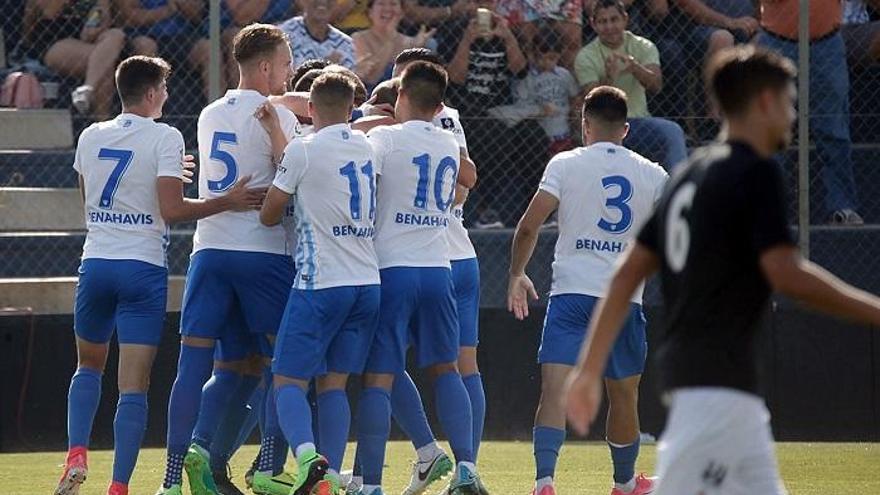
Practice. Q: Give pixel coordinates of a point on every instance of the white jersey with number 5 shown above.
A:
(330, 175)
(605, 192)
(119, 161)
(418, 167)
(460, 246)
(232, 145)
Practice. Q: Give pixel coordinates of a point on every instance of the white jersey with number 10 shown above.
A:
(460, 246)
(232, 145)
(418, 167)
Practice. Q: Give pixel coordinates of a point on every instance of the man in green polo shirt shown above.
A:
(631, 63)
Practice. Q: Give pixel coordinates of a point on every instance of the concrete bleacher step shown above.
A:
(35, 129)
(57, 254)
(40, 209)
(55, 295)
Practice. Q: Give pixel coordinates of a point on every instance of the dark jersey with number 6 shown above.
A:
(717, 215)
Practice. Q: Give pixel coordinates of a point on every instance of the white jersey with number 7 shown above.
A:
(418, 167)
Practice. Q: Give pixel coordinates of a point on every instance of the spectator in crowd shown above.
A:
(375, 48)
(350, 15)
(244, 12)
(74, 38)
(548, 89)
(860, 35)
(569, 18)
(619, 58)
(483, 67)
(302, 69)
(435, 13)
(165, 28)
(718, 24)
(312, 36)
(829, 94)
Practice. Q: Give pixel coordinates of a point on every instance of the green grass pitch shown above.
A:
(507, 468)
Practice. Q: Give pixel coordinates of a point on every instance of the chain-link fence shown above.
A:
(516, 77)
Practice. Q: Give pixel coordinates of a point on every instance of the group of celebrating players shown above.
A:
(322, 251)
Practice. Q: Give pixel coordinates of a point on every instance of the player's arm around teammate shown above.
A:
(123, 278)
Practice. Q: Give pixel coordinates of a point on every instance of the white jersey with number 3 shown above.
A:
(120, 161)
(330, 175)
(232, 145)
(460, 246)
(418, 167)
(605, 192)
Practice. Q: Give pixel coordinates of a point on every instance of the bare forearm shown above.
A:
(419, 14)
(459, 66)
(147, 17)
(515, 58)
(524, 241)
(821, 290)
(195, 209)
(648, 76)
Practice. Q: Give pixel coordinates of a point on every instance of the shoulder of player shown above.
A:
(646, 163)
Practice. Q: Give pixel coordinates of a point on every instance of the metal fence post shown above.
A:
(804, 128)
(214, 60)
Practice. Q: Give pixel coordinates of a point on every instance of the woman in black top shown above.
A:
(74, 38)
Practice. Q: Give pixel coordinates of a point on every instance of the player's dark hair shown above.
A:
(360, 90)
(424, 84)
(606, 104)
(333, 91)
(547, 41)
(135, 75)
(386, 92)
(737, 75)
(417, 55)
(306, 67)
(257, 41)
(605, 4)
(305, 82)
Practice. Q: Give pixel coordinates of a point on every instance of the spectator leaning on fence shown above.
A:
(312, 36)
(375, 48)
(621, 59)
(860, 34)
(74, 38)
(829, 94)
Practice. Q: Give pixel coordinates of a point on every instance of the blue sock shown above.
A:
(474, 385)
(547, 442)
(216, 395)
(273, 445)
(82, 404)
(374, 426)
(454, 413)
(409, 412)
(193, 369)
(294, 415)
(624, 459)
(334, 421)
(128, 433)
(226, 440)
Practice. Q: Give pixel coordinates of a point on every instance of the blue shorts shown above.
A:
(326, 330)
(127, 295)
(565, 328)
(466, 279)
(236, 343)
(230, 294)
(418, 306)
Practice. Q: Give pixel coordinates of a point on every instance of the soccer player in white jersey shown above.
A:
(240, 272)
(333, 309)
(604, 193)
(130, 175)
(418, 166)
(406, 403)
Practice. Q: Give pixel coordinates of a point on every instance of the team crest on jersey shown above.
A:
(447, 123)
(231, 101)
(345, 135)
(126, 124)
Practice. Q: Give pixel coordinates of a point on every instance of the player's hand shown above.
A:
(268, 117)
(519, 290)
(382, 109)
(189, 166)
(244, 198)
(581, 398)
